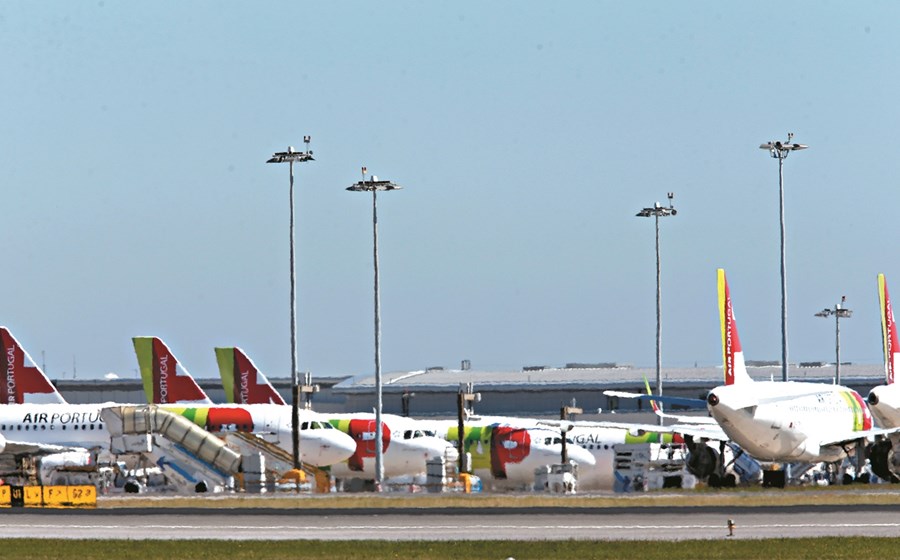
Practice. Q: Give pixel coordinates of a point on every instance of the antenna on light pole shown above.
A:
(658, 211)
(780, 151)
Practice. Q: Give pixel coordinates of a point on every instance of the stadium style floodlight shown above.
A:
(780, 151)
(839, 312)
(373, 185)
(291, 157)
(658, 211)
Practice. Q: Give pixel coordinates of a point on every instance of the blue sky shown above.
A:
(526, 135)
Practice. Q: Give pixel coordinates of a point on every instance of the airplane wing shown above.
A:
(702, 430)
(17, 448)
(851, 436)
(678, 401)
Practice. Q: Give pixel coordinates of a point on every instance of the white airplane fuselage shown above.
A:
(788, 421)
(80, 425)
(506, 451)
(405, 450)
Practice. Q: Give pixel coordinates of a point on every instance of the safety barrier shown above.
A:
(48, 496)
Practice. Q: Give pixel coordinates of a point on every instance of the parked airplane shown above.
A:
(405, 449)
(884, 400)
(779, 421)
(506, 451)
(784, 421)
(167, 383)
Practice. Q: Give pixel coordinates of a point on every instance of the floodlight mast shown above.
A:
(780, 151)
(657, 211)
(373, 185)
(290, 156)
(839, 312)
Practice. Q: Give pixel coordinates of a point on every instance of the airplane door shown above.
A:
(369, 440)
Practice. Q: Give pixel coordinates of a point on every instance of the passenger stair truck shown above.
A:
(191, 458)
(275, 460)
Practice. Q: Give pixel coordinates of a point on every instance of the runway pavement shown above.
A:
(664, 524)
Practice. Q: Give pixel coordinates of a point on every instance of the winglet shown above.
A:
(25, 383)
(165, 380)
(732, 355)
(888, 330)
(243, 382)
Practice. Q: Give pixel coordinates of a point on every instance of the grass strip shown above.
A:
(821, 548)
(752, 497)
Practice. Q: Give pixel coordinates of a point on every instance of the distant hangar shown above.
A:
(532, 391)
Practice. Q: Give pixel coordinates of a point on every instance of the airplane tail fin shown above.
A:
(165, 381)
(657, 407)
(25, 383)
(888, 330)
(732, 355)
(243, 382)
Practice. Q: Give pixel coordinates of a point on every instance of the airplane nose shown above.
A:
(580, 455)
(337, 447)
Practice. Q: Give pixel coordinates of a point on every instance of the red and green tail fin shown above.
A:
(888, 331)
(243, 382)
(732, 355)
(165, 381)
(25, 383)
(657, 408)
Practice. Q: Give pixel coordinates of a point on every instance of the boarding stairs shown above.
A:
(191, 458)
(277, 460)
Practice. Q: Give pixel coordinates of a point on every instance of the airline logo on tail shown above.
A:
(23, 382)
(243, 382)
(732, 355)
(888, 330)
(165, 381)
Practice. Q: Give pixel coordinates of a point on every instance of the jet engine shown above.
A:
(885, 462)
(704, 462)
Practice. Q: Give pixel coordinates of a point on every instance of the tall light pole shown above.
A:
(780, 151)
(839, 312)
(290, 156)
(373, 185)
(658, 211)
